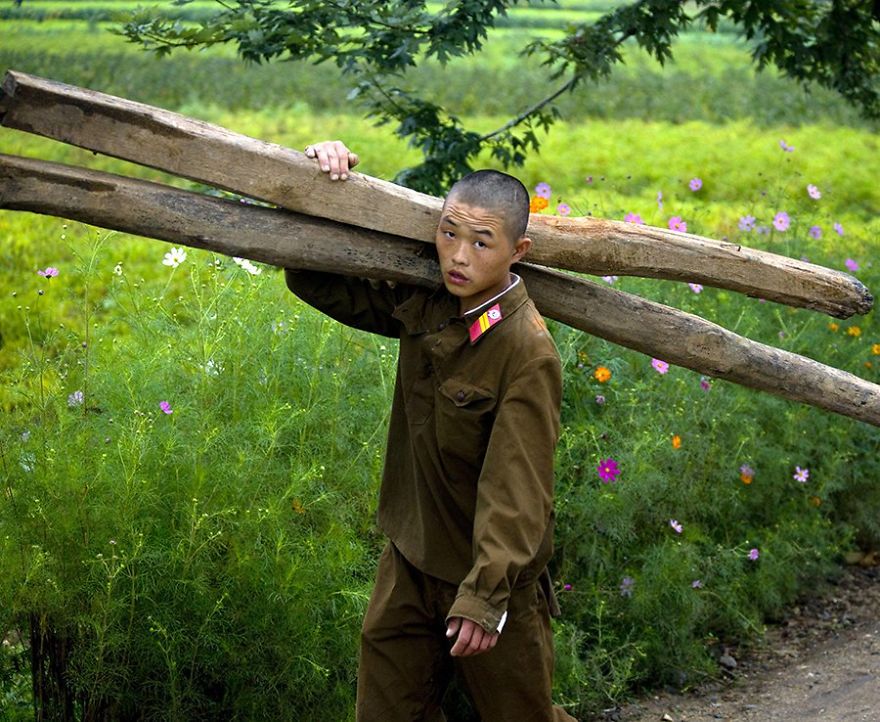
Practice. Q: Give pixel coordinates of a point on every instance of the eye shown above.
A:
(479, 244)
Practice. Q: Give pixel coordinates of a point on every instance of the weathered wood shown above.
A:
(285, 238)
(210, 154)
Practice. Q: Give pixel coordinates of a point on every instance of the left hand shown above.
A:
(472, 638)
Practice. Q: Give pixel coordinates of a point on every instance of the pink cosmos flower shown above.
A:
(785, 146)
(166, 407)
(781, 221)
(695, 184)
(747, 223)
(815, 232)
(610, 280)
(634, 218)
(608, 470)
(801, 475)
(661, 367)
(851, 265)
(814, 192)
(675, 526)
(563, 209)
(696, 287)
(754, 554)
(705, 383)
(838, 229)
(676, 224)
(543, 190)
(50, 272)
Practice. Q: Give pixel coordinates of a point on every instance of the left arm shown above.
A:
(514, 502)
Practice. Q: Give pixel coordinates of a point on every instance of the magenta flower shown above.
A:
(608, 470)
(166, 407)
(851, 265)
(801, 475)
(677, 528)
(50, 272)
(600, 399)
(754, 554)
(661, 367)
(566, 587)
(781, 221)
(814, 192)
(543, 190)
(705, 383)
(695, 184)
(677, 224)
(815, 232)
(696, 287)
(563, 209)
(634, 218)
(610, 280)
(785, 146)
(747, 223)
(838, 229)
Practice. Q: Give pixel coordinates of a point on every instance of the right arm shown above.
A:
(355, 302)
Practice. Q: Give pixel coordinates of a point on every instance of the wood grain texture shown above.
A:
(216, 156)
(288, 239)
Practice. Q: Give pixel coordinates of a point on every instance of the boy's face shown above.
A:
(475, 252)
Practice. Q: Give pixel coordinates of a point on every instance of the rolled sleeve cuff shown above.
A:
(490, 618)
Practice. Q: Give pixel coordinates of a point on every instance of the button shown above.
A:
(460, 396)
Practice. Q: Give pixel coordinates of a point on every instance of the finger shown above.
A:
(310, 152)
(452, 628)
(341, 153)
(353, 159)
(460, 647)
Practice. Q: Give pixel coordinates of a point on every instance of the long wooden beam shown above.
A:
(288, 239)
(211, 154)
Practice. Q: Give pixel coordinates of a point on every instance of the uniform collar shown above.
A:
(422, 313)
(480, 320)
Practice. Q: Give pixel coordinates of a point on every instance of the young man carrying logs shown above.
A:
(467, 488)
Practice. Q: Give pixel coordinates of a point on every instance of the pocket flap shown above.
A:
(462, 393)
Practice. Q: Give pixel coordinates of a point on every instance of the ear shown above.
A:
(521, 247)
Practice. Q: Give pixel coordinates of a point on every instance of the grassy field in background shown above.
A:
(230, 545)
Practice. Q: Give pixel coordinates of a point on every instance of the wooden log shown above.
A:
(288, 239)
(210, 154)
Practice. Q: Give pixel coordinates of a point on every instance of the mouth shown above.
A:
(456, 277)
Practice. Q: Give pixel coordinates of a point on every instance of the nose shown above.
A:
(459, 254)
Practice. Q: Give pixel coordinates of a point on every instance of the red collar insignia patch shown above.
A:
(485, 322)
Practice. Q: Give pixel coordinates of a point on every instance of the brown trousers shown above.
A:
(405, 663)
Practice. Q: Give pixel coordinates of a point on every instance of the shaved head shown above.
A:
(498, 193)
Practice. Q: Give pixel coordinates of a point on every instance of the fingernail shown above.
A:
(345, 176)
(334, 176)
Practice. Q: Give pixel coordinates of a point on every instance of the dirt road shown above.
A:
(822, 663)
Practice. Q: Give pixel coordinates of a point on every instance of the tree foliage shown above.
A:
(834, 43)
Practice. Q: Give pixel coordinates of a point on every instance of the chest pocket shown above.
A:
(464, 420)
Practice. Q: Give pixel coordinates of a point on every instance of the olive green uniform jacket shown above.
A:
(467, 485)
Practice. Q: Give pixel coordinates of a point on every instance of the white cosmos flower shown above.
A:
(248, 266)
(174, 257)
